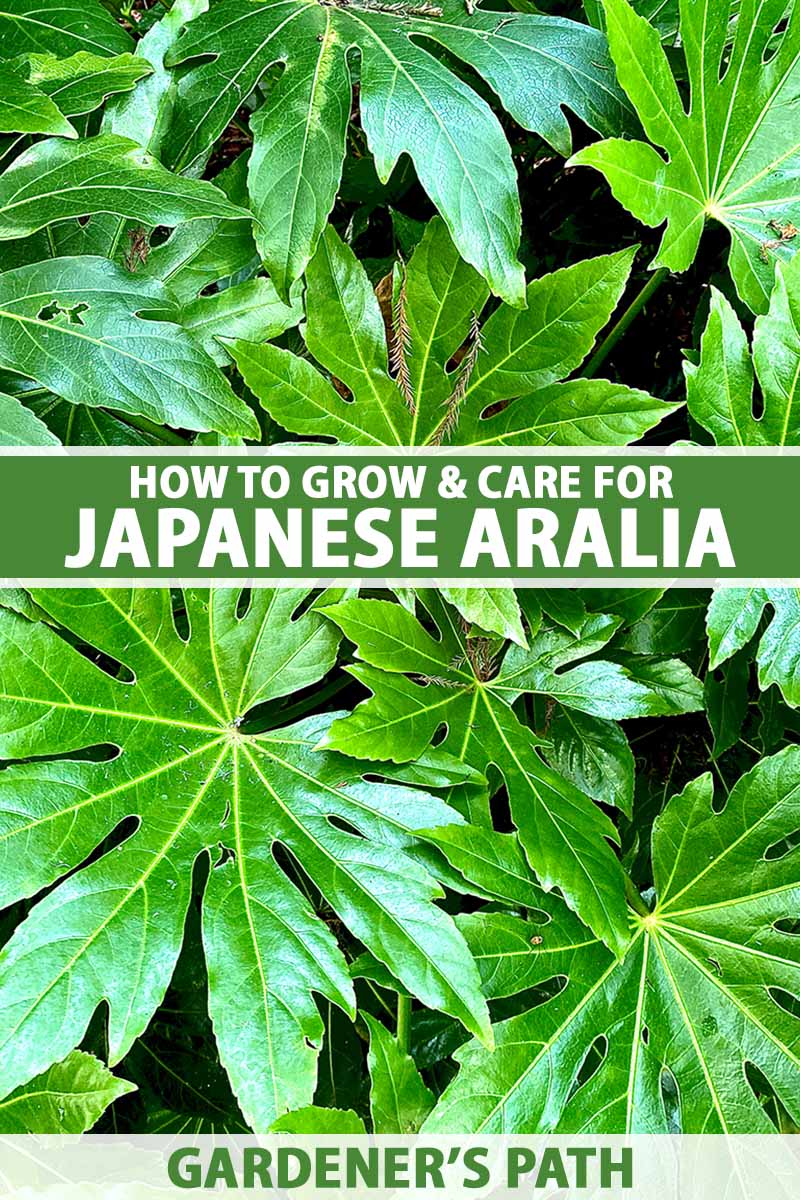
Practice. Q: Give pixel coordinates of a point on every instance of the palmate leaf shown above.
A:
(703, 990)
(456, 685)
(732, 156)
(197, 784)
(74, 326)
(410, 102)
(70, 1097)
(719, 388)
(514, 364)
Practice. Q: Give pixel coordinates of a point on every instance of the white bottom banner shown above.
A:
(537, 1168)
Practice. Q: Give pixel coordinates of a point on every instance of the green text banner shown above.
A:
(323, 514)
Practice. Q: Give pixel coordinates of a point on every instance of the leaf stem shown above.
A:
(634, 308)
(404, 1023)
(634, 899)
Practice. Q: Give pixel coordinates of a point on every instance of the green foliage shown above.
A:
(458, 682)
(731, 154)
(195, 780)
(216, 148)
(719, 388)
(68, 1098)
(410, 103)
(689, 998)
(452, 860)
(437, 304)
(168, 789)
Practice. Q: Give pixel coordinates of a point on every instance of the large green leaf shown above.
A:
(719, 389)
(61, 28)
(70, 1097)
(456, 685)
(506, 389)
(73, 325)
(55, 180)
(666, 1037)
(187, 780)
(410, 102)
(732, 154)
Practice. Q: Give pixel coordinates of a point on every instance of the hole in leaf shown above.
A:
(758, 403)
(290, 866)
(226, 855)
(764, 1093)
(243, 602)
(54, 309)
(510, 1006)
(103, 753)
(670, 1100)
(783, 847)
(501, 811)
(787, 925)
(774, 41)
(344, 826)
(180, 616)
(645, 1035)
(305, 605)
(593, 1060)
(110, 666)
(785, 1000)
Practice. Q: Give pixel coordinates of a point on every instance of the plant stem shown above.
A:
(160, 432)
(404, 1023)
(634, 899)
(634, 308)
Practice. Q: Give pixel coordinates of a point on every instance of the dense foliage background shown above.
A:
(460, 859)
